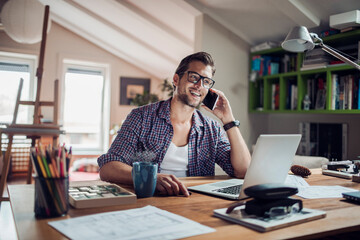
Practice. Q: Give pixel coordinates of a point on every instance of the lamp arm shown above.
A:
(339, 56)
(319, 41)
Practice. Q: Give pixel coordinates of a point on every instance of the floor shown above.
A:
(7, 226)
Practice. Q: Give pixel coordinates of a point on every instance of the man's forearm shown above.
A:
(116, 172)
(239, 155)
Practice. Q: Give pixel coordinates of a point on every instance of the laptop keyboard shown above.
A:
(234, 190)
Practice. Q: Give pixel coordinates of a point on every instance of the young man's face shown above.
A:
(192, 94)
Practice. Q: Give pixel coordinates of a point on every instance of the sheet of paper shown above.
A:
(140, 223)
(296, 181)
(323, 191)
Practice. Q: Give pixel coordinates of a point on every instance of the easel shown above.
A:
(37, 129)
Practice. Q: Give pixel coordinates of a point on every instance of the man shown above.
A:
(179, 137)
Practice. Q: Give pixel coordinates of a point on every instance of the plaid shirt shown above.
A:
(148, 129)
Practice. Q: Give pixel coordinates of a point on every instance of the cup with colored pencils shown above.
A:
(51, 181)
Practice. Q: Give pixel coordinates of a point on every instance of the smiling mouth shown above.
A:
(195, 94)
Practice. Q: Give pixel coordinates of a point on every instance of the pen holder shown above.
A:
(51, 197)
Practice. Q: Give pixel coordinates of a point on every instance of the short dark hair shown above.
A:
(203, 57)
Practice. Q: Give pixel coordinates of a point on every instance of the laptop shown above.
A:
(270, 163)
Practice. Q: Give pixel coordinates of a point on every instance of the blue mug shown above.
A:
(144, 175)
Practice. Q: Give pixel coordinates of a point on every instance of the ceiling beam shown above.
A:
(122, 17)
(219, 19)
(111, 39)
(297, 11)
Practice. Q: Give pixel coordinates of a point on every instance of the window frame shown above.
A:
(32, 61)
(105, 121)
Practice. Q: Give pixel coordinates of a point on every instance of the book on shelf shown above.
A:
(358, 56)
(313, 66)
(311, 92)
(289, 63)
(348, 29)
(334, 91)
(275, 96)
(264, 224)
(265, 65)
(323, 139)
(320, 95)
(293, 99)
(290, 93)
(328, 32)
(261, 95)
(316, 90)
(344, 92)
(358, 94)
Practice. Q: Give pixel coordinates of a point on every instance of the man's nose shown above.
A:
(199, 83)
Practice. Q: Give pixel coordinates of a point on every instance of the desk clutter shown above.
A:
(271, 208)
(88, 194)
(343, 169)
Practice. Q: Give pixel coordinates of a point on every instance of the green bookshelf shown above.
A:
(266, 97)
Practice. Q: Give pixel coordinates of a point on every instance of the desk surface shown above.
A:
(341, 216)
(28, 130)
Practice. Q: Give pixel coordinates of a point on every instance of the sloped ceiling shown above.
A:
(155, 35)
(143, 36)
(257, 21)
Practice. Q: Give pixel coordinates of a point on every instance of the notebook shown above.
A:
(270, 163)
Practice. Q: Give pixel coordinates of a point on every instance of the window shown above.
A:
(13, 67)
(84, 114)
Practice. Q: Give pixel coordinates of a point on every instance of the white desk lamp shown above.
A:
(300, 40)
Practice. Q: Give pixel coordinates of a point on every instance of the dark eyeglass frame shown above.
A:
(200, 78)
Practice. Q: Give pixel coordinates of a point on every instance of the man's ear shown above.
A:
(176, 80)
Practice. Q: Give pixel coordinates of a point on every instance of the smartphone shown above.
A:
(211, 99)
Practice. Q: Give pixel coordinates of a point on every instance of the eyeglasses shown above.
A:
(283, 211)
(194, 77)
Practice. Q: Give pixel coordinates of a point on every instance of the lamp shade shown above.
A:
(23, 20)
(298, 40)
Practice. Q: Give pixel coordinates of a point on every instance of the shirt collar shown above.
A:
(198, 120)
(164, 112)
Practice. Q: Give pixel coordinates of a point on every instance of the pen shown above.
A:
(40, 163)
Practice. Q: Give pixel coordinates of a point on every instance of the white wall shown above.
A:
(231, 55)
(62, 43)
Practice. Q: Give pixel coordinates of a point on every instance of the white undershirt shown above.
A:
(175, 161)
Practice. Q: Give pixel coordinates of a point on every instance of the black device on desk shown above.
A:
(352, 196)
(270, 196)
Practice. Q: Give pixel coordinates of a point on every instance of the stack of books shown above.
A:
(315, 59)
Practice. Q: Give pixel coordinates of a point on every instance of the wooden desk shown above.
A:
(341, 216)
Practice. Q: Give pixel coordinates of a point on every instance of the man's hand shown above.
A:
(222, 110)
(169, 185)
